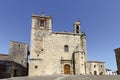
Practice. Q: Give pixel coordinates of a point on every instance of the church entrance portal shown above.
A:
(66, 69)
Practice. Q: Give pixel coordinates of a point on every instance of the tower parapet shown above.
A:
(42, 22)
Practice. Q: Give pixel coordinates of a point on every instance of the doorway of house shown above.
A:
(95, 72)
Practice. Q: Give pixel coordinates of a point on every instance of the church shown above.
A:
(59, 52)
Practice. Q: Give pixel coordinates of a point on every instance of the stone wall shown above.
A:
(11, 69)
(117, 55)
(53, 51)
(18, 52)
(4, 56)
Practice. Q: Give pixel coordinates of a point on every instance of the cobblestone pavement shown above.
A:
(68, 77)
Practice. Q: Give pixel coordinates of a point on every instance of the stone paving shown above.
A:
(68, 77)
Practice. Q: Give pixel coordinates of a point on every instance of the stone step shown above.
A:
(69, 77)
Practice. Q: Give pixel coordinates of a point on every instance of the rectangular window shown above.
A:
(66, 48)
(36, 67)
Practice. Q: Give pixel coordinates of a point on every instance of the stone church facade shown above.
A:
(51, 53)
(56, 52)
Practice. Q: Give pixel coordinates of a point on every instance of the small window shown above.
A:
(37, 55)
(42, 49)
(66, 48)
(36, 67)
(18, 45)
(101, 66)
(41, 23)
(81, 57)
(94, 66)
(77, 29)
(21, 61)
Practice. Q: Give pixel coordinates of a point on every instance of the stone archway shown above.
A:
(67, 69)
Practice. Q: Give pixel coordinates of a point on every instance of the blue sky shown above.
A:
(99, 19)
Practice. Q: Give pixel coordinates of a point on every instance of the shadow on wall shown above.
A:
(11, 69)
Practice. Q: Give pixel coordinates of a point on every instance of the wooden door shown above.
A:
(66, 69)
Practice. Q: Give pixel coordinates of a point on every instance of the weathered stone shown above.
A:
(18, 53)
(56, 52)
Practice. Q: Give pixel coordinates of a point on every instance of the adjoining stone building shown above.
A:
(95, 68)
(18, 52)
(117, 54)
(16, 62)
(57, 52)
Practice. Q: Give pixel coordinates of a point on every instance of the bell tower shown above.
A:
(77, 27)
(41, 27)
(42, 22)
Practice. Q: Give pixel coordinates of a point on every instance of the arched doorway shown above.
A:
(66, 69)
(95, 72)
